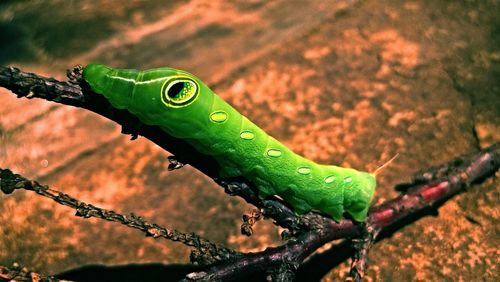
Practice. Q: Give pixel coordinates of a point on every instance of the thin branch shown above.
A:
(421, 198)
(362, 246)
(17, 273)
(205, 252)
(310, 231)
(30, 85)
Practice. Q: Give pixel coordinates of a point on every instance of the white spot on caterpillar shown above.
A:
(218, 116)
(275, 153)
(304, 170)
(329, 179)
(247, 135)
(348, 179)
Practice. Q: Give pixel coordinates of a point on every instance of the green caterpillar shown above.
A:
(184, 107)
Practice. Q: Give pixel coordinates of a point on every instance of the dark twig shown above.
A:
(17, 273)
(205, 252)
(309, 231)
(362, 246)
(34, 86)
(173, 163)
(421, 198)
(249, 220)
(272, 208)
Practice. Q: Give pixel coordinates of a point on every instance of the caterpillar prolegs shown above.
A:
(184, 107)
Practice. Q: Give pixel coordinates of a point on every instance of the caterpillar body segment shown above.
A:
(184, 107)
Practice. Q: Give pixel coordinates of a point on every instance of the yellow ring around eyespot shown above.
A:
(171, 81)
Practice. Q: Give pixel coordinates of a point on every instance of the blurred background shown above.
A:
(340, 82)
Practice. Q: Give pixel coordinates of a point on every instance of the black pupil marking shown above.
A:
(175, 90)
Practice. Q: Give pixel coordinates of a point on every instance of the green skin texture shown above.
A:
(240, 147)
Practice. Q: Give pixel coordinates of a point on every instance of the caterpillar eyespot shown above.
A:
(179, 92)
(183, 106)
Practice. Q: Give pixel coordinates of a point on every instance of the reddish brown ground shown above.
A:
(339, 82)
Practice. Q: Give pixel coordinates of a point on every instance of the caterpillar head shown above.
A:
(160, 96)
